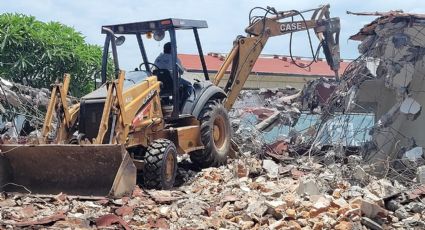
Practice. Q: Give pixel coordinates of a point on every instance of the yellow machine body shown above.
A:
(126, 127)
(98, 166)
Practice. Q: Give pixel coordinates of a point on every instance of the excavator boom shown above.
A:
(246, 50)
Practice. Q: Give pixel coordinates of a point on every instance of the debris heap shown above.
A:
(387, 80)
(21, 98)
(21, 108)
(247, 193)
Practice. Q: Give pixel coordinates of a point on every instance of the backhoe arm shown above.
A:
(246, 50)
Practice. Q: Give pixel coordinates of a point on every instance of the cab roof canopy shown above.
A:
(151, 26)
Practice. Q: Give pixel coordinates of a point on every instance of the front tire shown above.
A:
(160, 165)
(215, 135)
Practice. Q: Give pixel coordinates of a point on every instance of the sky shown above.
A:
(226, 20)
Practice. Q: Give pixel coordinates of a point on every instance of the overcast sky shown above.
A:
(226, 19)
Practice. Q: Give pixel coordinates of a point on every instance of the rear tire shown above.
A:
(160, 165)
(215, 135)
(5, 171)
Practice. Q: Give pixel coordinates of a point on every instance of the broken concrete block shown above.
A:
(382, 188)
(124, 211)
(276, 208)
(369, 196)
(247, 153)
(294, 225)
(322, 204)
(392, 205)
(359, 173)
(353, 191)
(371, 224)
(276, 225)
(291, 213)
(275, 203)
(369, 209)
(290, 200)
(7, 203)
(258, 208)
(330, 157)
(340, 202)
(318, 226)
(414, 154)
(344, 225)
(271, 168)
(302, 222)
(277, 213)
(27, 212)
(413, 222)
(308, 187)
(164, 210)
(420, 174)
(410, 106)
(401, 213)
(337, 193)
(354, 160)
(240, 205)
(313, 199)
(416, 207)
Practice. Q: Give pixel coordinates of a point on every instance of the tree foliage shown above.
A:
(36, 53)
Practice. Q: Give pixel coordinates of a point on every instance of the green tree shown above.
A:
(36, 53)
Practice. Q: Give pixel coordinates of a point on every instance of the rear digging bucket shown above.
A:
(98, 170)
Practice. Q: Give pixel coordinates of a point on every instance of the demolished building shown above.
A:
(22, 109)
(388, 80)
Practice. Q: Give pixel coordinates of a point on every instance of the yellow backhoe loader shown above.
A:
(139, 122)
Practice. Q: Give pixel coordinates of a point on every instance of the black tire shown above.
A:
(5, 172)
(160, 165)
(214, 121)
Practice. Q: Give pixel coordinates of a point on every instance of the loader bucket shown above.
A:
(98, 170)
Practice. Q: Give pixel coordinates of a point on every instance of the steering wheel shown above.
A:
(150, 64)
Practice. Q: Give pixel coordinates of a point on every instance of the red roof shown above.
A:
(265, 64)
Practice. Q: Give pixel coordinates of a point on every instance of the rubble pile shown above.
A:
(21, 98)
(21, 108)
(387, 80)
(247, 193)
(257, 112)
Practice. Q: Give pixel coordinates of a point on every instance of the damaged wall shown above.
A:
(395, 92)
(21, 108)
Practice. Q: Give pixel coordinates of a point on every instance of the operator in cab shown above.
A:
(163, 61)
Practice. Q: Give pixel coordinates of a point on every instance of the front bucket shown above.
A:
(98, 170)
